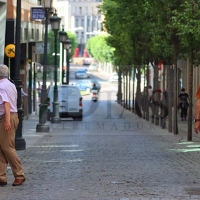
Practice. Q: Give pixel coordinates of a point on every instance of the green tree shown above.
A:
(98, 47)
(187, 24)
(51, 38)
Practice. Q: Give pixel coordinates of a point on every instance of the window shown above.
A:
(82, 22)
(37, 35)
(32, 33)
(77, 23)
(21, 34)
(25, 34)
(80, 10)
(86, 10)
(77, 36)
(88, 25)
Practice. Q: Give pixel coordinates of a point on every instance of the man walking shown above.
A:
(8, 125)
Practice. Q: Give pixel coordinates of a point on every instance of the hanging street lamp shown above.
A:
(55, 25)
(63, 38)
(67, 47)
(43, 126)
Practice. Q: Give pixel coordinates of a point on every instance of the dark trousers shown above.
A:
(184, 112)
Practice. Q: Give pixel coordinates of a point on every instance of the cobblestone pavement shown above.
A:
(108, 156)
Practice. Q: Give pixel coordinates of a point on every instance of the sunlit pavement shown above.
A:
(111, 155)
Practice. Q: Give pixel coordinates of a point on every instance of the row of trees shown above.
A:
(143, 32)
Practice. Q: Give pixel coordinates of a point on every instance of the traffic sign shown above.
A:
(10, 50)
(37, 13)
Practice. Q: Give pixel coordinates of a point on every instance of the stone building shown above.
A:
(81, 17)
(31, 33)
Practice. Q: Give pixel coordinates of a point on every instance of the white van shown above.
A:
(70, 102)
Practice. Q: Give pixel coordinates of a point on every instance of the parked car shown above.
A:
(81, 73)
(93, 67)
(83, 69)
(87, 85)
(113, 77)
(70, 102)
(86, 61)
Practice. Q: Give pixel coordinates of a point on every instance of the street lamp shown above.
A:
(43, 126)
(67, 47)
(55, 25)
(63, 38)
(20, 143)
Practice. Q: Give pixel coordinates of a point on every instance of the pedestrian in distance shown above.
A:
(166, 97)
(24, 94)
(51, 85)
(197, 113)
(94, 88)
(39, 90)
(166, 101)
(183, 104)
(144, 100)
(150, 94)
(8, 125)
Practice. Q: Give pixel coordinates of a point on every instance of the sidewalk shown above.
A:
(31, 136)
(29, 130)
(103, 158)
(107, 157)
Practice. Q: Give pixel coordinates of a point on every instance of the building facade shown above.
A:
(81, 17)
(31, 32)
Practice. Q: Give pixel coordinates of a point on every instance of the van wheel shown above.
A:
(78, 118)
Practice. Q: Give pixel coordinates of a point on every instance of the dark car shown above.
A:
(87, 85)
(81, 73)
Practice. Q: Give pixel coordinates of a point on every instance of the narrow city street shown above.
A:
(111, 155)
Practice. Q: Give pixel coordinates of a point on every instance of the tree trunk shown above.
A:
(129, 86)
(175, 124)
(164, 102)
(155, 104)
(147, 77)
(133, 97)
(190, 91)
(119, 93)
(138, 94)
(170, 89)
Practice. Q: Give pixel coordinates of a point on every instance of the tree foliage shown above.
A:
(98, 47)
(152, 31)
(51, 41)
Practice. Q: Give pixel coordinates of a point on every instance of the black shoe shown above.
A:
(3, 183)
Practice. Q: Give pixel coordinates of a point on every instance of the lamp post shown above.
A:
(63, 37)
(55, 24)
(20, 143)
(43, 126)
(67, 47)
